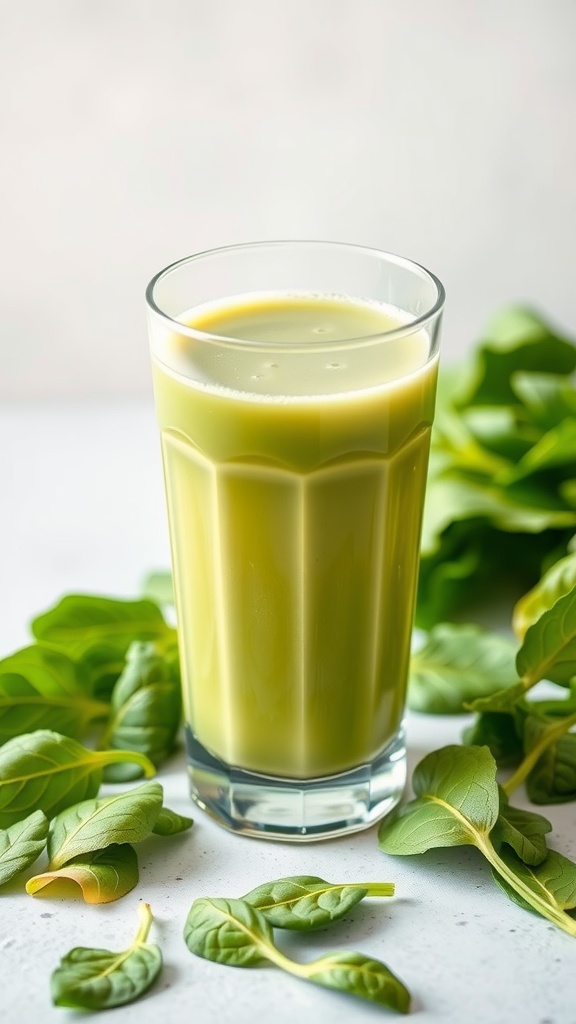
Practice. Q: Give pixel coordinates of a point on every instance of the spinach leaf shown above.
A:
(102, 875)
(80, 622)
(361, 976)
(458, 804)
(103, 663)
(21, 844)
(145, 705)
(235, 933)
(94, 824)
(553, 881)
(228, 932)
(517, 339)
(96, 979)
(501, 466)
(555, 448)
(548, 397)
(548, 650)
(554, 584)
(169, 823)
(503, 701)
(523, 830)
(498, 731)
(41, 688)
(49, 772)
(457, 664)
(553, 777)
(304, 902)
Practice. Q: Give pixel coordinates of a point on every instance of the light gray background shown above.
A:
(135, 132)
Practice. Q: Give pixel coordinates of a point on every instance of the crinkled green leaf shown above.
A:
(41, 688)
(96, 979)
(498, 429)
(361, 976)
(102, 875)
(457, 803)
(522, 830)
(548, 650)
(45, 771)
(80, 622)
(548, 397)
(557, 447)
(458, 664)
(94, 824)
(169, 823)
(228, 932)
(552, 780)
(145, 704)
(103, 662)
(503, 701)
(21, 844)
(304, 902)
(553, 881)
(497, 731)
(526, 510)
(516, 339)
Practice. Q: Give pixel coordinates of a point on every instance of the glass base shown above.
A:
(295, 809)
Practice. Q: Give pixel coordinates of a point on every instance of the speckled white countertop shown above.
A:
(82, 510)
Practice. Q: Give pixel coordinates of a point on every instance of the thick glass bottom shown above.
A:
(294, 809)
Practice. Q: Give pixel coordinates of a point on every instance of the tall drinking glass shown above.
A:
(294, 386)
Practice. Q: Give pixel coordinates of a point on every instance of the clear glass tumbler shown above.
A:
(294, 386)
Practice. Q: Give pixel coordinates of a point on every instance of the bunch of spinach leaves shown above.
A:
(99, 665)
(457, 797)
(501, 495)
(460, 668)
(102, 667)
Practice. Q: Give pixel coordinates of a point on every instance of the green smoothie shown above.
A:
(295, 468)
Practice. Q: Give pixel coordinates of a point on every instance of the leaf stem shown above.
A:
(548, 736)
(145, 920)
(272, 953)
(374, 888)
(132, 756)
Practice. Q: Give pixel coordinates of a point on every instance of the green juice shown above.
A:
(295, 469)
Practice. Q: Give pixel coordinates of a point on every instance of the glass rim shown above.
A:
(408, 327)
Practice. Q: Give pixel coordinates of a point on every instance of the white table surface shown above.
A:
(82, 510)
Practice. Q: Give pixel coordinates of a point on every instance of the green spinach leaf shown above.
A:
(94, 824)
(553, 881)
(458, 804)
(80, 622)
(304, 902)
(498, 731)
(41, 688)
(21, 844)
(46, 771)
(523, 830)
(555, 584)
(96, 979)
(457, 664)
(169, 823)
(145, 705)
(235, 933)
